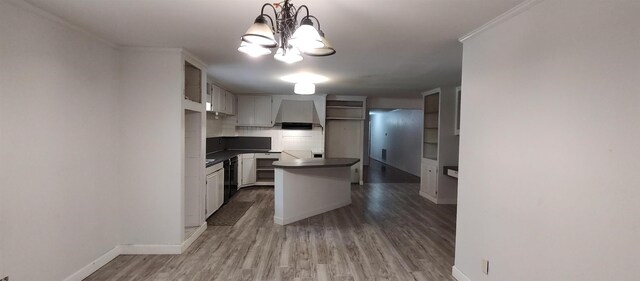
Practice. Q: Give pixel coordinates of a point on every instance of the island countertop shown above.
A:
(315, 163)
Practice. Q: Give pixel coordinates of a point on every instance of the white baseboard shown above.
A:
(94, 265)
(431, 198)
(297, 217)
(135, 250)
(450, 201)
(458, 274)
(193, 237)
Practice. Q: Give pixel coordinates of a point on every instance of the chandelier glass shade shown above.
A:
(293, 40)
(253, 50)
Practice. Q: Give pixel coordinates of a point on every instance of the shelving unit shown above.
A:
(194, 131)
(192, 83)
(344, 130)
(345, 110)
(265, 171)
(439, 146)
(431, 126)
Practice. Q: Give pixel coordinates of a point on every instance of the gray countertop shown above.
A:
(315, 163)
(228, 154)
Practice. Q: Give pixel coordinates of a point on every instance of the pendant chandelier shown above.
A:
(294, 39)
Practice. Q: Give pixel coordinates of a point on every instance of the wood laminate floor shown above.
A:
(388, 233)
(378, 172)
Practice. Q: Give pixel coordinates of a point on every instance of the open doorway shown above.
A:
(393, 141)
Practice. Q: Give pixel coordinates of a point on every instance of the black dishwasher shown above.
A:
(230, 178)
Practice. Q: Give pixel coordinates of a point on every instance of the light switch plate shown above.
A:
(485, 267)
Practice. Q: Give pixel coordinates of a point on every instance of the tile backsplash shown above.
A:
(280, 139)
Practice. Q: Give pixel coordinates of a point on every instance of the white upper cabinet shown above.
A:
(254, 111)
(230, 103)
(221, 100)
(245, 115)
(263, 111)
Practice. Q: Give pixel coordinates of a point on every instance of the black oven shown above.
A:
(230, 178)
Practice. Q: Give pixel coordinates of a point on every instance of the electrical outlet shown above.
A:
(485, 267)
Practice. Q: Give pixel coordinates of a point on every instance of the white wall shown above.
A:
(58, 148)
(151, 149)
(394, 103)
(400, 133)
(548, 185)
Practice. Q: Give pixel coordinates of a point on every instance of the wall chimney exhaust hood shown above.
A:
(296, 114)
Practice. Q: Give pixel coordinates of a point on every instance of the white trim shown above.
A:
(431, 92)
(135, 250)
(431, 198)
(94, 265)
(440, 201)
(47, 15)
(192, 59)
(458, 274)
(501, 18)
(193, 237)
(278, 220)
(297, 217)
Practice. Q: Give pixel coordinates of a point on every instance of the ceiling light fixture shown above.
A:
(304, 82)
(293, 40)
(304, 88)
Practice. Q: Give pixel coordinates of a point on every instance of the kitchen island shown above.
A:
(308, 187)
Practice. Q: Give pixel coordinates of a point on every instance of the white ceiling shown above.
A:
(384, 48)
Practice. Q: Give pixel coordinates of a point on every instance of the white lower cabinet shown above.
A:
(215, 191)
(247, 169)
(429, 184)
(256, 169)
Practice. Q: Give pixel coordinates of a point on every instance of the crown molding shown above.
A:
(501, 18)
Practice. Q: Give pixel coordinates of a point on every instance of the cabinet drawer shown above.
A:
(452, 173)
(213, 168)
(269, 155)
(247, 156)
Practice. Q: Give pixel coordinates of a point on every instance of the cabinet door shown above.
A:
(209, 95)
(343, 138)
(213, 195)
(429, 180)
(245, 113)
(215, 98)
(248, 170)
(220, 189)
(263, 111)
(222, 101)
(230, 103)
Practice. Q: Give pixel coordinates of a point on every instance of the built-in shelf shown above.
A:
(193, 106)
(339, 118)
(343, 106)
(345, 110)
(431, 113)
(192, 83)
(265, 172)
